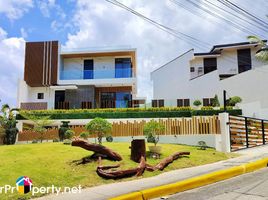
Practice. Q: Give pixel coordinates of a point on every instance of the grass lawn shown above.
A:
(51, 164)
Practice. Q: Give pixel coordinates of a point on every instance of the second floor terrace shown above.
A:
(97, 65)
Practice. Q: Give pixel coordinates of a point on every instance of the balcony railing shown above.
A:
(95, 74)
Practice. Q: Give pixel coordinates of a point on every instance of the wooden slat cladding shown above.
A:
(181, 126)
(34, 106)
(41, 63)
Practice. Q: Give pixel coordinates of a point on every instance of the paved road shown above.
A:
(252, 186)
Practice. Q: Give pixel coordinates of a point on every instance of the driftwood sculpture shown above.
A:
(104, 172)
(138, 171)
(166, 161)
(97, 149)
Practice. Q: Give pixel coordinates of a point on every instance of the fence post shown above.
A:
(225, 132)
(263, 132)
(246, 127)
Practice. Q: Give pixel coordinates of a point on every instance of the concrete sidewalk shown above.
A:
(116, 189)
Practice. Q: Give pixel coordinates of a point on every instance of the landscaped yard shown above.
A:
(52, 164)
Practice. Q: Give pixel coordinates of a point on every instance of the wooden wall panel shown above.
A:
(41, 63)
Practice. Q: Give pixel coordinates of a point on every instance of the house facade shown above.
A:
(77, 79)
(200, 76)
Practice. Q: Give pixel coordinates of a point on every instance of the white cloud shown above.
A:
(11, 66)
(23, 33)
(47, 6)
(15, 9)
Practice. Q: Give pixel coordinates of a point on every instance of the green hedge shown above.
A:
(129, 114)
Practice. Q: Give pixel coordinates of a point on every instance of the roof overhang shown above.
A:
(64, 87)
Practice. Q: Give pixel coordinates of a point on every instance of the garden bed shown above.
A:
(52, 163)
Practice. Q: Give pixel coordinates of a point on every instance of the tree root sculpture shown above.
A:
(166, 161)
(104, 172)
(97, 149)
(138, 171)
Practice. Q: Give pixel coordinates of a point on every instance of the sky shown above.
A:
(98, 23)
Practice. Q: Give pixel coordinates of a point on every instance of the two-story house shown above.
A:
(200, 76)
(96, 78)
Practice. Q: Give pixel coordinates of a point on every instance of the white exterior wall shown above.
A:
(227, 63)
(27, 94)
(172, 79)
(172, 82)
(201, 87)
(252, 87)
(196, 63)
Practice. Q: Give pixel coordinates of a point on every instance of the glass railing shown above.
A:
(95, 74)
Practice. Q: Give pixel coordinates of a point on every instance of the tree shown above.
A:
(215, 101)
(152, 130)
(8, 124)
(40, 124)
(261, 54)
(100, 127)
(234, 100)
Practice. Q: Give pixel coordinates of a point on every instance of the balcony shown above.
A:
(75, 74)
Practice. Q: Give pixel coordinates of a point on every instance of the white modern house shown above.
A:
(93, 78)
(200, 76)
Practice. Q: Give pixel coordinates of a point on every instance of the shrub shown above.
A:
(84, 135)
(152, 130)
(68, 134)
(234, 100)
(100, 127)
(207, 108)
(67, 141)
(56, 140)
(109, 138)
(35, 141)
(197, 103)
(202, 145)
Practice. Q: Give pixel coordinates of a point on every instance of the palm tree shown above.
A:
(261, 54)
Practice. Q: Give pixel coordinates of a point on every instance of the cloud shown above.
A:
(23, 33)
(11, 66)
(46, 6)
(100, 23)
(15, 9)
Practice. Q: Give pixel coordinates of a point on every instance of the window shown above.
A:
(161, 103)
(183, 102)
(244, 60)
(123, 68)
(88, 69)
(207, 101)
(191, 69)
(210, 64)
(40, 95)
(154, 103)
(158, 103)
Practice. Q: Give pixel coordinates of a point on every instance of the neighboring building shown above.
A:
(55, 79)
(230, 67)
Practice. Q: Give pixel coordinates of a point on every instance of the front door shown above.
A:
(59, 98)
(108, 99)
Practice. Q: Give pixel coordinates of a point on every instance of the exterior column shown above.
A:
(225, 132)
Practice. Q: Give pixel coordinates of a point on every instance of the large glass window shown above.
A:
(123, 99)
(123, 68)
(210, 64)
(244, 60)
(88, 69)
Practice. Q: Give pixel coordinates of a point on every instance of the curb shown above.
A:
(194, 182)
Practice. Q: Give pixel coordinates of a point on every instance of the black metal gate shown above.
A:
(247, 132)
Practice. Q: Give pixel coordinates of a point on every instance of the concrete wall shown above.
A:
(29, 94)
(171, 80)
